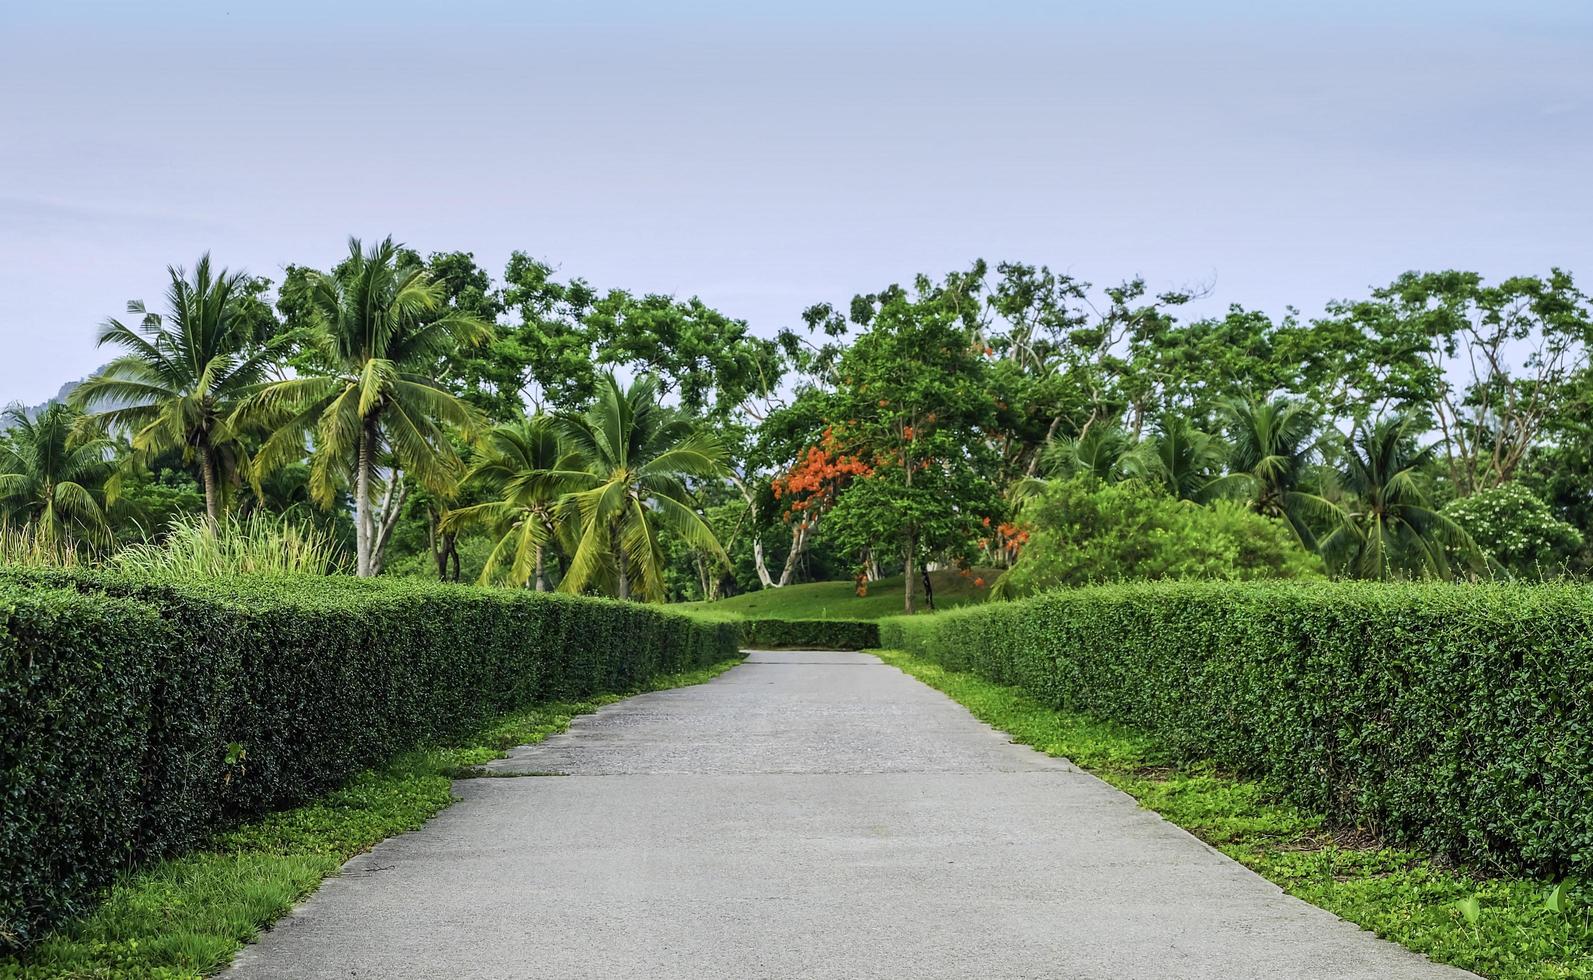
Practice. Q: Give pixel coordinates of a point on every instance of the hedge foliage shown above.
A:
(138, 718)
(1447, 717)
(809, 634)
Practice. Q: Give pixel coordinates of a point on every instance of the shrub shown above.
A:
(1085, 532)
(1448, 717)
(139, 717)
(809, 634)
(1517, 530)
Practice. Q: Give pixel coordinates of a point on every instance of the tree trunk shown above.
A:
(541, 579)
(362, 502)
(622, 567)
(907, 601)
(445, 550)
(385, 519)
(799, 544)
(702, 574)
(207, 467)
(764, 577)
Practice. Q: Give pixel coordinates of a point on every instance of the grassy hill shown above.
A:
(839, 600)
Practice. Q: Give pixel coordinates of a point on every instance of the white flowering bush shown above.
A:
(1517, 530)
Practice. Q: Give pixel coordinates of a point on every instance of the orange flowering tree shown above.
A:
(810, 487)
(913, 401)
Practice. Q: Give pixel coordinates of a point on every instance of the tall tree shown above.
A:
(372, 410)
(712, 364)
(635, 458)
(1273, 450)
(913, 406)
(1180, 458)
(1487, 363)
(544, 353)
(524, 470)
(1393, 530)
(53, 475)
(182, 374)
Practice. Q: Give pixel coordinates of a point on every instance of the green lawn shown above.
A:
(839, 600)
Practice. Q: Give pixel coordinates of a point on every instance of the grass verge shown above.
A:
(185, 917)
(1499, 926)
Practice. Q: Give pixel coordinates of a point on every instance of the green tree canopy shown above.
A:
(370, 408)
(53, 476)
(182, 375)
(633, 458)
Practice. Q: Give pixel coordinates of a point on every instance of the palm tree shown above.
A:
(1274, 448)
(53, 473)
(634, 457)
(373, 408)
(1179, 458)
(181, 376)
(525, 469)
(1100, 452)
(1393, 531)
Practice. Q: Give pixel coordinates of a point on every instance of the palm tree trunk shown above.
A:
(362, 502)
(541, 580)
(621, 565)
(207, 469)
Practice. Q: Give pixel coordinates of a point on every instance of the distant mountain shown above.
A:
(32, 411)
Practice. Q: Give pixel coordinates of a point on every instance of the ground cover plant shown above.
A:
(1508, 927)
(186, 916)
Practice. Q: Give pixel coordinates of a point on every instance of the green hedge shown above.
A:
(138, 718)
(809, 634)
(1457, 719)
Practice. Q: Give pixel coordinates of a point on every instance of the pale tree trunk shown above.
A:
(362, 502)
(541, 579)
(622, 567)
(800, 532)
(870, 566)
(702, 574)
(207, 466)
(386, 518)
(764, 578)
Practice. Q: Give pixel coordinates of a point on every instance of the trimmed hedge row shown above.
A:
(138, 718)
(1456, 719)
(809, 634)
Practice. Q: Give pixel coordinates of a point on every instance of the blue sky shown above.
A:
(766, 157)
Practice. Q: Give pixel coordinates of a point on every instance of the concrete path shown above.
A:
(806, 815)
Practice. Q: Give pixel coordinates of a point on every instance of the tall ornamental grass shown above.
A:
(26, 545)
(196, 547)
